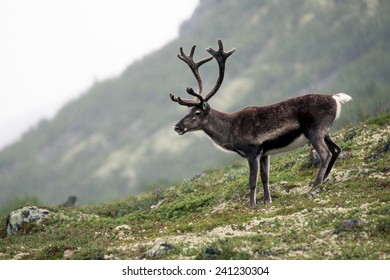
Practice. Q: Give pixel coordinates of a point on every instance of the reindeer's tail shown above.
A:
(340, 98)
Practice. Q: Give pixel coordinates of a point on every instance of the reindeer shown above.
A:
(255, 133)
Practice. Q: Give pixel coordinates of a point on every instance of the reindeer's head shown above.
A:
(197, 117)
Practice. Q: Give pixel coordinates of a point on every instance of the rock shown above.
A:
(158, 204)
(24, 219)
(212, 251)
(349, 225)
(344, 155)
(386, 148)
(68, 254)
(109, 257)
(21, 256)
(123, 232)
(386, 169)
(263, 253)
(70, 202)
(122, 228)
(159, 250)
(289, 164)
(374, 156)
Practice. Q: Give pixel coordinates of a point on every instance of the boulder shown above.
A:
(24, 219)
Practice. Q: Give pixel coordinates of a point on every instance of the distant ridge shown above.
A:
(117, 138)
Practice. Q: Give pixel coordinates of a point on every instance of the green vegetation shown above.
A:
(208, 217)
(117, 139)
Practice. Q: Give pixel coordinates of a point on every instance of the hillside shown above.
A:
(208, 216)
(117, 137)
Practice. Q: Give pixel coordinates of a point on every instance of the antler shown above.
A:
(194, 66)
(220, 56)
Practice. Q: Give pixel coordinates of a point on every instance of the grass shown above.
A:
(208, 217)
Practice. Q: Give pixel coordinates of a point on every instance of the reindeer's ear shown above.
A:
(205, 106)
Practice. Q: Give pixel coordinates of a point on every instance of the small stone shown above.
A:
(21, 256)
(386, 169)
(68, 254)
(375, 156)
(122, 228)
(159, 250)
(387, 147)
(109, 257)
(157, 205)
(263, 252)
(344, 155)
(212, 251)
(123, 232)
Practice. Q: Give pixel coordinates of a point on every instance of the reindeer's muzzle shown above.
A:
(180, 129)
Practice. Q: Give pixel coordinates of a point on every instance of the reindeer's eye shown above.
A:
(196, 114)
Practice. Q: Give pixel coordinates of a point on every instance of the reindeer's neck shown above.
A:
(218, 128)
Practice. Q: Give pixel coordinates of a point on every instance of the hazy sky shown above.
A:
(51, 51)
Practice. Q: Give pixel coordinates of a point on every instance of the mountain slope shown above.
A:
(117, 138)
(208, 217)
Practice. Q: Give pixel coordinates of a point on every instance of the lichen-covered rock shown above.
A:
(159, 249)
(349, 225)
(23, 219)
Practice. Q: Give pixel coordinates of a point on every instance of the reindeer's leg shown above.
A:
(318, 142)
(264, 173)
(335, 150)
(253, 176)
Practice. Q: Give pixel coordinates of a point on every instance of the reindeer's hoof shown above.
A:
(325, 180)
(315, 191)
(267, 200)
